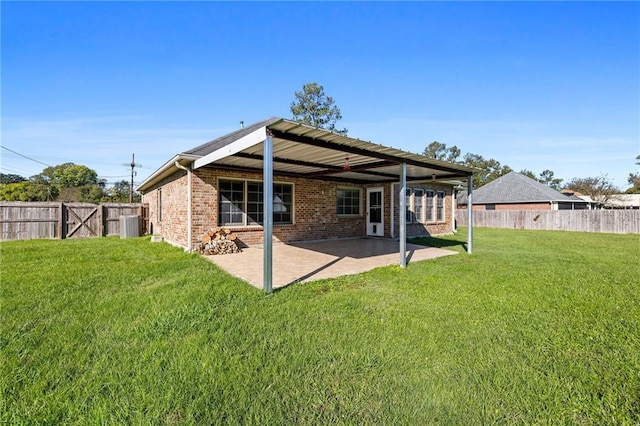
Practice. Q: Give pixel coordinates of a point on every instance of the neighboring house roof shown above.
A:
(306, 151)
(515, 188)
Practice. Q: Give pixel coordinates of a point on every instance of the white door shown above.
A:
(375, 212)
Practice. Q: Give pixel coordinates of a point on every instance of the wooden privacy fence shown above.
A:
(30, 220)
(610, 221)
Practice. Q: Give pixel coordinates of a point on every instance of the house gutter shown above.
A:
(165, 170)
(189, 207)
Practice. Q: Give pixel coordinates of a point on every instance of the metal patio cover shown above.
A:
(300, 150)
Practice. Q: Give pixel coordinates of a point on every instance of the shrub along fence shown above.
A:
(30, 220)
(610, 221)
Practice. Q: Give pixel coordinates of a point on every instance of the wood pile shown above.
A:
(219, 241)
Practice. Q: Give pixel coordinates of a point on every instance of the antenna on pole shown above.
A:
(133, 165)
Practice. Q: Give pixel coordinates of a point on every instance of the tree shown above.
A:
(548, 178)
(71, 182)
(528, 173)
(489, 169)
(67, 175)
(440, 151)
(66, 182)
(11, 178)
(25, 191)
(119, 193)
(599, 188)
(634, 180)
(311, 106)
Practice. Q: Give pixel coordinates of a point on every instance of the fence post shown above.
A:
(61, 221)
(141, 221)
(101, 223)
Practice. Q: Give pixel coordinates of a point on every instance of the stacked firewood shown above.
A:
(219, 241)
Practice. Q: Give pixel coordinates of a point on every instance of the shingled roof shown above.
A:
(225, 140)
(515, 188)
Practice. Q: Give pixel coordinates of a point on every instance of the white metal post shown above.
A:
(403, 216)
(267, 270)
(470, 214)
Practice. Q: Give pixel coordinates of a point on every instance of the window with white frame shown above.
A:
(409, 210)
(231, 203)
(440, 209)
(430, 205)
(242, 203)
(348, 201)
(418, 196)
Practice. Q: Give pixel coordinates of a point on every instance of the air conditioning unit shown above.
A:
(129, 226)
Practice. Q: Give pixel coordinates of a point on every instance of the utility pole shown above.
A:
(133, 173)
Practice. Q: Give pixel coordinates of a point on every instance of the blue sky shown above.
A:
(534, 85)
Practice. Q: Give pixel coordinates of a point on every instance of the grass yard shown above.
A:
(534, 327)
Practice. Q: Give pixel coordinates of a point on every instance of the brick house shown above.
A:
(324, 186)
(515, 191)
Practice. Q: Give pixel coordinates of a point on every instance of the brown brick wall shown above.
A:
(314, 209)
(173, 226)
(315, 216)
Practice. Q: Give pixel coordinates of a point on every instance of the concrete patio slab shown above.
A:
(310, 261)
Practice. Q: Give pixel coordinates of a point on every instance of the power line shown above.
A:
(133, 165)
(5, 169)
(28, 158)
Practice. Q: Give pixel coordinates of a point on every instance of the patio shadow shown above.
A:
(438, 242)
(357, 248)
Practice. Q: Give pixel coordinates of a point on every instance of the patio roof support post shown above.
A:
(267, 264)
(403, 216)
(470, 214)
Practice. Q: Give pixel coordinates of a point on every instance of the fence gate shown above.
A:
(82, 220)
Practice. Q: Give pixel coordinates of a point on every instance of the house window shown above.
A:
(282, 203)
(232, 203)
(440, 210)
(408, 211)
(242, 203)
(430, 205)
(255, 203)
(159, 204)
(418, 195)
(348, 202)
(490, 207)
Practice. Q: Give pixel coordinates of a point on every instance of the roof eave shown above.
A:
(165, 170)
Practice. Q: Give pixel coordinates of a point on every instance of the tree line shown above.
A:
(66, 182)
(598, 187)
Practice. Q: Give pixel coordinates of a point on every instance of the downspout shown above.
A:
(454, 212)
(393, 212)
(189, 207)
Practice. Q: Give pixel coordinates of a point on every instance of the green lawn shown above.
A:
(534, 327)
